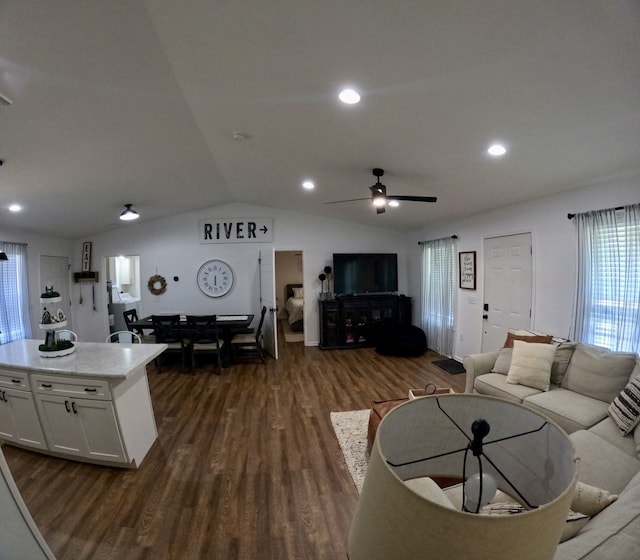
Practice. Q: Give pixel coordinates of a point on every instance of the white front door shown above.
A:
(267, 263)
(507, 288)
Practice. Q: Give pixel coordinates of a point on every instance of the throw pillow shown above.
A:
(298, 292)
(561, 360)
(598, 372)
(591, 500)
(531, 364)
(625, 408)
(503, 361)
(575, 520)
(511, 337)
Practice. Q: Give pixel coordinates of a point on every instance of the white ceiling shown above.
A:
(132, 101)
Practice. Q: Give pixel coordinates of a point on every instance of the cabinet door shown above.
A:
(61, 429)
(99, 429)
(19, 420)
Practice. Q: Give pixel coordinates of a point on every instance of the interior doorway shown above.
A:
(124, 288)
(507, 288)
(290, 298)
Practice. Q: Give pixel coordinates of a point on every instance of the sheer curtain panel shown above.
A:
(15, 320)
(608, 283)
(438, 293)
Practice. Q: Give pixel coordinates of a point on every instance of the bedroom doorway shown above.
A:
(290, 295)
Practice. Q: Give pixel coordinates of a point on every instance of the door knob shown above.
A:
(485, 316)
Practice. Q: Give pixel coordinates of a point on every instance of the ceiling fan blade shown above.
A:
(349, 200)
(413, 198)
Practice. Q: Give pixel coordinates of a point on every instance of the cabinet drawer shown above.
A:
(71, 387)
(14, 379)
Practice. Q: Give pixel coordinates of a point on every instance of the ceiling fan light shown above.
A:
(379, 201)
(129, 213)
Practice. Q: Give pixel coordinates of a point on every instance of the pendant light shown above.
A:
(3, 256)
(129, 213)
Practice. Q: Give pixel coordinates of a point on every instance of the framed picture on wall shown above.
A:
(86, 256)
(467, 263)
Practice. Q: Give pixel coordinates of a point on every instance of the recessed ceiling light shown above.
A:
(394, 203)
(308, 185)
(349, 96)
(496, 150)
(15, 208)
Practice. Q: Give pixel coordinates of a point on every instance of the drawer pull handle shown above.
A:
(66, 405)
(4, 396)
(75, 408)
(89, 390)
(46, 385)
(16, 381)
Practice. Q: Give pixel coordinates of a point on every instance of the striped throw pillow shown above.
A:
(625, 408)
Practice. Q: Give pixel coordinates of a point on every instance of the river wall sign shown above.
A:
(236, 230)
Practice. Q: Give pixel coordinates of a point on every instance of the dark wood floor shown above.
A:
(246, 465)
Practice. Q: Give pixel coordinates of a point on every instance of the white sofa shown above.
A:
(584, 381)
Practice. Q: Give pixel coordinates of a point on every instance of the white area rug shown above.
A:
(351, 430)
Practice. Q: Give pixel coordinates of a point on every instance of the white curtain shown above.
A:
(15, 320)
(438, 294)
(608, 283)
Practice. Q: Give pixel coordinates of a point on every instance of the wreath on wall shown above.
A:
(157, 285)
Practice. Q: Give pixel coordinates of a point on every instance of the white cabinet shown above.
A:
(78, 418)
(84, 427)
(19, 422)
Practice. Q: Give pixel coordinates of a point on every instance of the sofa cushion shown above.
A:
(511, 337)
(608, 430)
(572, 411)
(602, 464)
(625, 408)
(495, 384)
(613, 533)
(598, 373)
(531, 364)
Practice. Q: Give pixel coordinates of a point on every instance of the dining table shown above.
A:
(227, 325)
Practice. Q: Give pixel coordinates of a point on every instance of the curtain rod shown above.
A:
(452, 237)
(571, 216)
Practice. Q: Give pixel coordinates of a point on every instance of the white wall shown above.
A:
(37, 246)
(170, 247)
(554, 255)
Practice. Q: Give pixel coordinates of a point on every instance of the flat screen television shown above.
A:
(365, 273)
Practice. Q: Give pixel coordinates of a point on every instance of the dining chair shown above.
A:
(131, 315)
(124, 337)
(169, 332)
(249, 345)
(204, 338)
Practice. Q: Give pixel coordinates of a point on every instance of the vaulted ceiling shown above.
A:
(178, 106)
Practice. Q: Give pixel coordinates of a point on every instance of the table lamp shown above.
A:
(485, 442)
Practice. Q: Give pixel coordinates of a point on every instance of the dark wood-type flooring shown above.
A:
(247, 465)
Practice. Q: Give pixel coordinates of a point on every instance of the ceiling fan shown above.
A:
(380, 198)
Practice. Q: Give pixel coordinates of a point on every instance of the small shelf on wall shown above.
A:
(86, 276)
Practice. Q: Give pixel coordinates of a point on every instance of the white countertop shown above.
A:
(91, 359)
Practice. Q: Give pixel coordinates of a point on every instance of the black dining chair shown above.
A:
(169, 332)
(204, 338)
(131, 315)
(249, 345)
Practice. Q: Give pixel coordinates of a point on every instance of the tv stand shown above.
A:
(356, 321)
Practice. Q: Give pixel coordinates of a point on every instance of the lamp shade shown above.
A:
(403, 514)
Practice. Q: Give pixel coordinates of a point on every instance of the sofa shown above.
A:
(594, 395)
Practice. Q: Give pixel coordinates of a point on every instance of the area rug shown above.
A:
(289, 335)
(450, 366)
(351, 430)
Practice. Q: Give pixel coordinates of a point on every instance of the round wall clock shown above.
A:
(215, 278)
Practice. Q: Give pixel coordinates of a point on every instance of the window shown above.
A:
(608, 284)
(15, 321)
(439, 294)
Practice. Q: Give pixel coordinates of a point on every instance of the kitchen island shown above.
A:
(93, 405)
